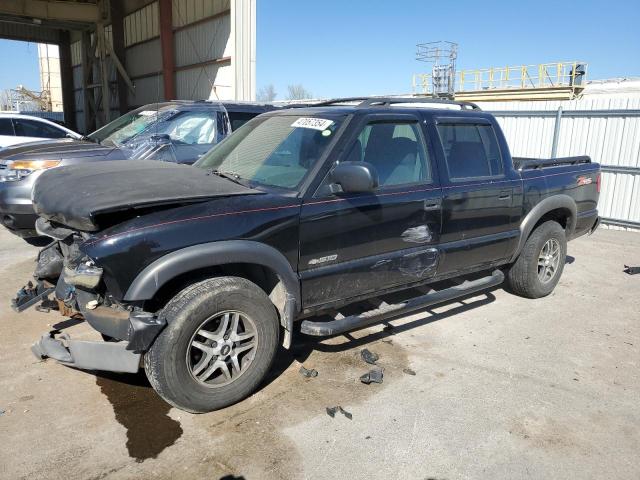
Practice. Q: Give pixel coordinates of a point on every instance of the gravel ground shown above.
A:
(504, 388)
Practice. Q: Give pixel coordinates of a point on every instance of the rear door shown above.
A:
(481, 196)
(352, 244)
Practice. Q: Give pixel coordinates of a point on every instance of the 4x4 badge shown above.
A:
(328, 258)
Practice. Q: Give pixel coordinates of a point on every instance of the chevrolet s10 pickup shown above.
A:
(198, 273)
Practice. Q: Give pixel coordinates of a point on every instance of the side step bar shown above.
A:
(353, 322)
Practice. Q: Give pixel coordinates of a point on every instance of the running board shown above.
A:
(353, 322)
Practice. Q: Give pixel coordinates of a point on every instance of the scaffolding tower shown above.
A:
(442, 55)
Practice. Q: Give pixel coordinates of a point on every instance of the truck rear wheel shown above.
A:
(220, 340)
(539, 267)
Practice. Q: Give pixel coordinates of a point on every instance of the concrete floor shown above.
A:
(504, 388)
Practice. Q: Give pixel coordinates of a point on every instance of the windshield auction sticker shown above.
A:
(313, 123)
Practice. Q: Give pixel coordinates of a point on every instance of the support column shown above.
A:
(167, 45)
(556, 133)
(66, 78)
(88, 101)
(104, 74)
(117, 35)
(243, 60)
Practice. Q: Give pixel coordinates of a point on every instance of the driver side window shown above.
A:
(395, 149)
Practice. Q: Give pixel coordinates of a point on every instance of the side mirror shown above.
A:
(355, 177)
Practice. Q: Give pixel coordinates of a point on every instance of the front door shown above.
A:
(352, 244)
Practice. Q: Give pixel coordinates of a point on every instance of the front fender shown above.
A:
(188, 259)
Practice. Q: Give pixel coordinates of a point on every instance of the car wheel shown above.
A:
(220, 341)
(539, 267)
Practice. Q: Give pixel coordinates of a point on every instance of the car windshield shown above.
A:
(198, 126)
(275, 151)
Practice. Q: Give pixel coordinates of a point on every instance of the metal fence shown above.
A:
(608, 130)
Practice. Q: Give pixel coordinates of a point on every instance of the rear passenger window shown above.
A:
(6, 128)
(396, 150)
(470, 150)
(33, 128)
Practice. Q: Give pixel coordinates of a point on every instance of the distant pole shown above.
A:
(556, 133)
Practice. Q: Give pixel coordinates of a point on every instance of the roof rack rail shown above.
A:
(388, 101)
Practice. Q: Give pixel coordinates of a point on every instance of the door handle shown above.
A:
(506, 195)
(431, 205)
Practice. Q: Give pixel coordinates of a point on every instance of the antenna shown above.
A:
(443, 55)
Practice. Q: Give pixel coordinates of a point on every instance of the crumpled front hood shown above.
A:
(77, 195)
(61, 149)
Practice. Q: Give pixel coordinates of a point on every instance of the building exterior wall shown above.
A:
(49, 63)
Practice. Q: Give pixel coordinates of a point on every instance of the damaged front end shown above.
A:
(77, 286)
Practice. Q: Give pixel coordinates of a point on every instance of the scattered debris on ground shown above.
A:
(331, 411)
(370, 357)
(373, 376)
(309, 373)
(408, 371)
(631, 270)
(2, 412)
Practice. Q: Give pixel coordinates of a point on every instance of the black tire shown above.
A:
(523, 276)
(167, 362)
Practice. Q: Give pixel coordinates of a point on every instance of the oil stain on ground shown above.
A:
(142, 412)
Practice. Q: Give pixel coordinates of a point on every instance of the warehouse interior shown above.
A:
(116, 55)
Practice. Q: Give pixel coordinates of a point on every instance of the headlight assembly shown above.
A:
(18, 169)
(84, 275)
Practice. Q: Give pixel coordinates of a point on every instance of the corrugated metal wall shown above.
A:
(203, 51)
(604, 132)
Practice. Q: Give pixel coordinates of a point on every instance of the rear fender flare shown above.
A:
(541, 209)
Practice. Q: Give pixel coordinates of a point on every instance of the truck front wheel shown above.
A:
(537, 270)
(220, 340)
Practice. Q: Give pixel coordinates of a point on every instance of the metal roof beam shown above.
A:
(51, 10)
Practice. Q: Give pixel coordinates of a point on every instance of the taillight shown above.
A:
(598, 182)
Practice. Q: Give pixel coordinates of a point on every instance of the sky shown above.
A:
(366, 47)
(19, 65)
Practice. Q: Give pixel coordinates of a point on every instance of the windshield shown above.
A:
(275, 151)
(196, 127)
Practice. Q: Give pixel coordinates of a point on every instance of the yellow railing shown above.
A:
(547, 75)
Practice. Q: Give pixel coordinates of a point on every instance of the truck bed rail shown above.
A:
(527, 163)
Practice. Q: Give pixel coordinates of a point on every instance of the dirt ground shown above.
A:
(504, 388)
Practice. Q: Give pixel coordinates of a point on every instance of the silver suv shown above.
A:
(176, 131)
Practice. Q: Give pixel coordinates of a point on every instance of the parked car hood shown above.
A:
(79, 196)
(54, 150)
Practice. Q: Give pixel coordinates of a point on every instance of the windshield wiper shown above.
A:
(234, 177)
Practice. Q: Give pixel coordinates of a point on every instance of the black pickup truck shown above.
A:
(197, 274)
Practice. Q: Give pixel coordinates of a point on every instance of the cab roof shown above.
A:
(365, 105)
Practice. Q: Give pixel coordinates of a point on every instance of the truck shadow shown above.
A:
(304, 345)
(145, 416)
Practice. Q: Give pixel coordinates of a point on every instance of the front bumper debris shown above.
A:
(136, 328)
(87, 355)
(30, 295)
